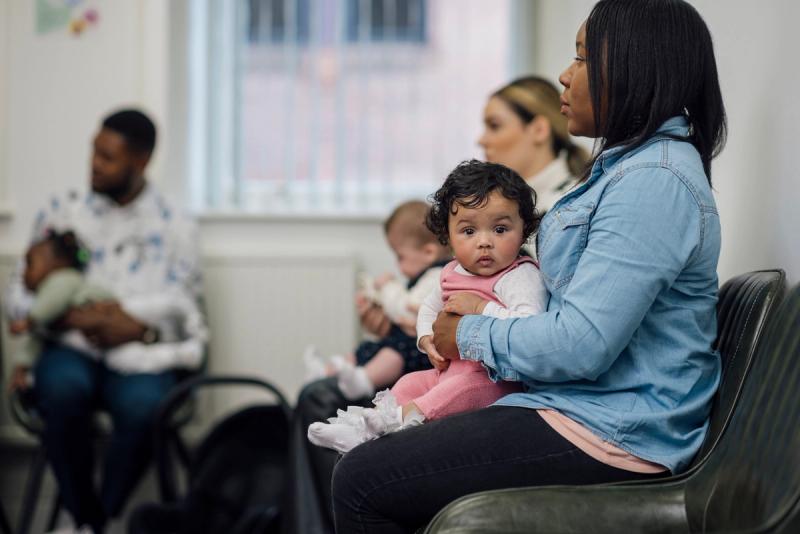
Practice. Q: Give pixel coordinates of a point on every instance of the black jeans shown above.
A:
(397, 483)
(307, 499)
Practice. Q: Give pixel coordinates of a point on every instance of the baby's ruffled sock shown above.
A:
(357, 425)
(343, 432)
(387, 416)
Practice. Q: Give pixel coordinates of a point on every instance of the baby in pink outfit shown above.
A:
(485, 212)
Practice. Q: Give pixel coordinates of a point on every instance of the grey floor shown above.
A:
(15, 461)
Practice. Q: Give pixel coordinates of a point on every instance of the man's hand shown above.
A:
(105, 324)
(464, 303)
(19, 378)
(426, 344)
(372, 317)
(444, 335)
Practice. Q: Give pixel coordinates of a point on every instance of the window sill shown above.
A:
(212, 216)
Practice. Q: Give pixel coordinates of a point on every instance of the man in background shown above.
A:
(144, 252)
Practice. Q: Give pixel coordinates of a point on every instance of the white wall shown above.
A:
(756, 178)
(57, 86)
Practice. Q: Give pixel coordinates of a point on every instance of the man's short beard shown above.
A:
(122, 190)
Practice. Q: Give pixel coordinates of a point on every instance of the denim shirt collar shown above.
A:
(673, 127)
(676, 126)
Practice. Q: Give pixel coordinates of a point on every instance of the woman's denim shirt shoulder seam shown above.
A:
(666, 164)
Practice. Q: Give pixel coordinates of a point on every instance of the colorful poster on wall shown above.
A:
(60, 14)
(52, 15)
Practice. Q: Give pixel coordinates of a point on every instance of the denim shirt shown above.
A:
(630, 259)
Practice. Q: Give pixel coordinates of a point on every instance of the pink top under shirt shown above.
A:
(594, 446)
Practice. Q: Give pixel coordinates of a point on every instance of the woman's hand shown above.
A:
(465, 303)
(372, 317)
(382, 280)
(426, 344)
(444, 335)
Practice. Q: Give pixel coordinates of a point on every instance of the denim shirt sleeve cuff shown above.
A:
(473, 337)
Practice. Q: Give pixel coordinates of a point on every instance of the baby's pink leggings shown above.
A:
(462, 387)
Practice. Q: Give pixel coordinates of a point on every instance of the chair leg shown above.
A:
(5, 528)
(182, 450)
(51, 523)
(32, 488)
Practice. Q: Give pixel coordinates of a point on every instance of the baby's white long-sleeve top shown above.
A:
(522, 291)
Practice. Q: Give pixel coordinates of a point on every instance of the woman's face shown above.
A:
(506, 139)
(576, 101)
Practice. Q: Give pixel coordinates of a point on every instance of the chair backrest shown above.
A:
(753, 480)
(745, 303)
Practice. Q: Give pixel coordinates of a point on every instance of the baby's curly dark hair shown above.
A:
(66, 246)
(470, 184)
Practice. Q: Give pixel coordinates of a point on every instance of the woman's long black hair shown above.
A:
(650, 60)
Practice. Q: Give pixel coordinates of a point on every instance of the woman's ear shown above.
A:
(539, 130)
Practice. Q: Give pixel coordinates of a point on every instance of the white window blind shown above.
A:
(337, 106)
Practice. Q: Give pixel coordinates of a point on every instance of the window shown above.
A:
(338, 106)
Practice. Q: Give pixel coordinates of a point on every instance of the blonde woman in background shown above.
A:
(525, 130)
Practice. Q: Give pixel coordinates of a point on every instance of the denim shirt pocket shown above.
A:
(564, 243)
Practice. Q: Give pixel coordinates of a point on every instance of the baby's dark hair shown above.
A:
(67, 247)
(470, 184)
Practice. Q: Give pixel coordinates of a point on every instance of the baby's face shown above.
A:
(412, 258)
(486, 239)
(39, 262)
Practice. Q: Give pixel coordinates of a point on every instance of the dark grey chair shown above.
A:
(756, 384)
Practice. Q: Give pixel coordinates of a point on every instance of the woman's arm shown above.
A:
(645, 230)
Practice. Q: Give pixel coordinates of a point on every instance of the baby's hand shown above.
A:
(464, 303)
(383, 279)
(20, 326)
(426, 344)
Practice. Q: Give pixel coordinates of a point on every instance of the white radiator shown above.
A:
(264, 310)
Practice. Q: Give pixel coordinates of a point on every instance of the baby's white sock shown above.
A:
(387, 416)
(341, 433)
(314, 364)
(354, 382)
(338, 436)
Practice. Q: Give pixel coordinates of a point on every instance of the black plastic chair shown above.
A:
(234, 477)
(745, 311)
(5, 528)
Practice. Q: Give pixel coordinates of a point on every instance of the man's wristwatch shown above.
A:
(151, 335)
